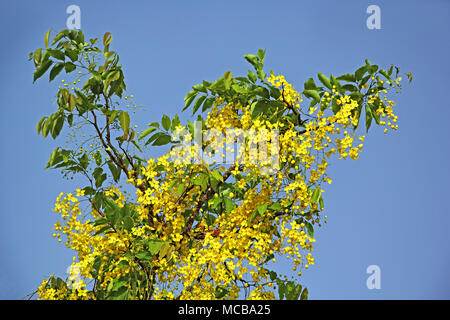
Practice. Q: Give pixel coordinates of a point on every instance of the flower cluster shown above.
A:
(202, 232)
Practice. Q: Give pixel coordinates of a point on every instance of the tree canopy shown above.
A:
(240, 188)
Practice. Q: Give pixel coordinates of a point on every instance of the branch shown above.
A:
(205, 197)
(106, 147)
(291, 107)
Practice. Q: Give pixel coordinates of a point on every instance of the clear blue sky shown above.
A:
(388, 208)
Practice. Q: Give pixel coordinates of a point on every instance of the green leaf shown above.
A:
(190, 94)
(165, 251)
(56, 54)
(120, 294)
(229, 205)
(260, 73)
(71, 102)
(262, 208)
(144, 255)
(296, 292)
(304, 295)
(358, 115)
(310, 84)
(175, 122)
(71, 54)
(80, 36)
(124, 119)
(208, 103)
(281, 289)
(155, 245)
(252, 59)
(53, 156)
(216, 174)
(88, 191)
(312, 94)
(202, 181)
(349, 87)
(385, 74)
(43, 67)
(356, 95)
(368, 117)
(315, 195)
(112, 76)
(165, 121)
(364, 80)
(251, 76)
(275, 93)
(154, 137)
(123, 263)
(114, 171)
(37, 56)
(276, 206)
(189, 98)
(334, 81)
(375, 115)
(253, 216)
(198, 103)
(200, 87)
(39, 125)
(107, 38)
(136, 145)
(220, 292)
(162, 140)
(360, 72)
(349, 77)
(216, 203)
(292, 290)
(261, 54)
(57, 126)
(261, 106)
(154, 124)
(324, 79)
(273, 275)
(372, 69)
(309, 229)
(228, 75)
(46, 36)
(98, 174)
(180, 189)
(128, 223)
(146, 133)
(56, 70)
(69, 67)
(59, 36)
(100, 221)
(46, 127)
(262, 92)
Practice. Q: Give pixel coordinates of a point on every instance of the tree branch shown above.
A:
(205, 197)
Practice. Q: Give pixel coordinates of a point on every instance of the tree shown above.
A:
(237, 190)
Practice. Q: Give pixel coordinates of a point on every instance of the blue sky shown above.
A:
(387, 208)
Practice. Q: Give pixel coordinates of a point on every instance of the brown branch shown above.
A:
(109, 143)
(205, 197)
(106, 146)
(291, 107)
(130, 160)
(116, 158)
